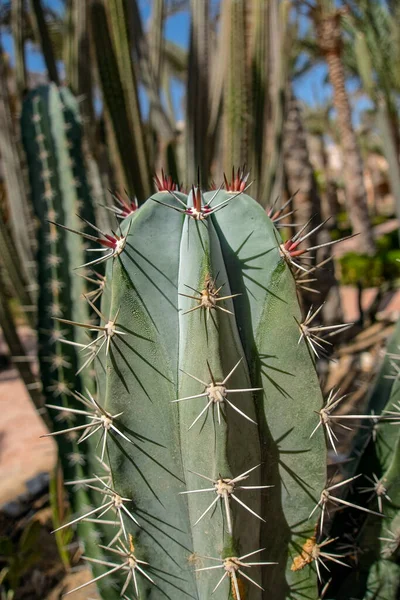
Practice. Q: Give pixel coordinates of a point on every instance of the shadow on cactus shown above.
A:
(208, 421)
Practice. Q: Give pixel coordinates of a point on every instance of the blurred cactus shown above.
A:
(51, 133)
(17, 204)
(59, 190)
(127, 57)
(120, 92)
(17, 18)
(42, 37)
(374, 465)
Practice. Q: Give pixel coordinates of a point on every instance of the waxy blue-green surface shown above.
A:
(266, 313)
(165, 252)
(210, 448)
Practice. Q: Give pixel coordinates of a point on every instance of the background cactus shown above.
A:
(59, 191)
(52, 140)
(374, 460)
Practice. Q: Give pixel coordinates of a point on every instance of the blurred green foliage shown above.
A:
(372, 271)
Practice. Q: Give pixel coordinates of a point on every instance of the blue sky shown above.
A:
(311, 88)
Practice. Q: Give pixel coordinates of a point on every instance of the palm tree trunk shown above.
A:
(330, 44)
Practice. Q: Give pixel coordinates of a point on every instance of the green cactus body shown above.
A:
(384, 576)
(50, 130)
(376, 461)
(203, 313)
(267, 314)
(47, 126)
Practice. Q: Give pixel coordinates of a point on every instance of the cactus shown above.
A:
(119, 88)
(375, 468)
(17, 20)
(43, 39)
(50, 132)
(59, 190)
(208, 424)
(208, 402)
(20, 216)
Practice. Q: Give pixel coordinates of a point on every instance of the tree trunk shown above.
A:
(330, 44)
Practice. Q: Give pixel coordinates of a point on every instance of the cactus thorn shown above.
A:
(233, 565)
(393, 543)
(396, 368)
(56, 361)
(79, 483)
(378, 489)
(99, 419)
(392, 415)
(165, 183)
(108, 330)
(199, 211)
(112, 501)
(100, 282)
(217, 394)
(239, 179)
(309, 333)
(48, 194)
(224, 489)
(277, 215)
(59, 388)
(47, 174)
(95, 478)
(115, 243)
(75, 458)
(123, 207)
(55, 286)
(208, 297)
(290, 250)
(302, 277)
(325, 416)
(54, 260)
(327, 497)
(129, 563)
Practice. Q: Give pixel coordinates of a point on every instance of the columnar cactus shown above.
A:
(59, 190)
(374, 464)
(51, 135)
(211, 470)
(208, 403)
